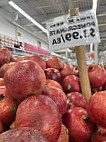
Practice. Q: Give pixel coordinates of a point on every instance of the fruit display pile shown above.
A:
(41, 101)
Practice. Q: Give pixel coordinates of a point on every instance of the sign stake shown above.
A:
(82, 66)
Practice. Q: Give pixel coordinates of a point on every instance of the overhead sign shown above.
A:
(67, 31)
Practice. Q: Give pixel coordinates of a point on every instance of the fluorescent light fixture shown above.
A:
(27, 16)
(94, 7)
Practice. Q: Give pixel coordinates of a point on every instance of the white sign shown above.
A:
(67, 31)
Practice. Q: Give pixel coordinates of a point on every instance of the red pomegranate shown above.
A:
(68, 70)
(54, 62)
(97, 108)
(1, 82)
(23, 79)
(23, 135)
(53, 74)
(58, 97)
(98, 137)
(41, 113)
(4, 68)
(35, 58)
(1, 127)
(53, 83)
(71, 83)
(5, 56)
(7, 107)
(64, 135)
(97, 75)
(77, 99)
(79, 125)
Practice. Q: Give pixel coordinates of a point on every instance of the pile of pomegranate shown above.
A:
(41, 101)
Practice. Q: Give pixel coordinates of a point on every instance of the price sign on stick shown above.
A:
(75, 31)
(70, 31)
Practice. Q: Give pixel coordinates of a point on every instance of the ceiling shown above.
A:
(42, 10)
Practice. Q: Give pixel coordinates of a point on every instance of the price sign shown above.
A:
(66, 31)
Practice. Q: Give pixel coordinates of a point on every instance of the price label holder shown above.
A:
(75, 31)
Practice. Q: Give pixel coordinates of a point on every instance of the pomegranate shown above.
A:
(64, 135)
(77, 99)
(97, 108)
(71, 83)
(79, 125)
(4, 68)
(41, 113)
(53, 74)
(1, 82)
(54, 62)
(97, 75)
(5, 56)
(35, 58)
(50, 82)
(23, 79)
(98, 137)
(68, 70)
(58, 97)
(7, 107)
(23, 135)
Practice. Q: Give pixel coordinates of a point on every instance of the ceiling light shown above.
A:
(27, 16)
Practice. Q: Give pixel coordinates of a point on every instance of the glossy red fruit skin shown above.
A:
(64, 135)
(53, 83)
(35, 58)
(97, 108)
(54, 62)
(97, 75)
(1, 127)
(71, 83)
(5, 56)
(23, 135)
(24, 79)
(77, 99)
(79, 129)
(68, 70)
(7, 107)
(41, 113)
(4, 68)
(53, 74)
(1, 82)
(98, 137)
(58, 97)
